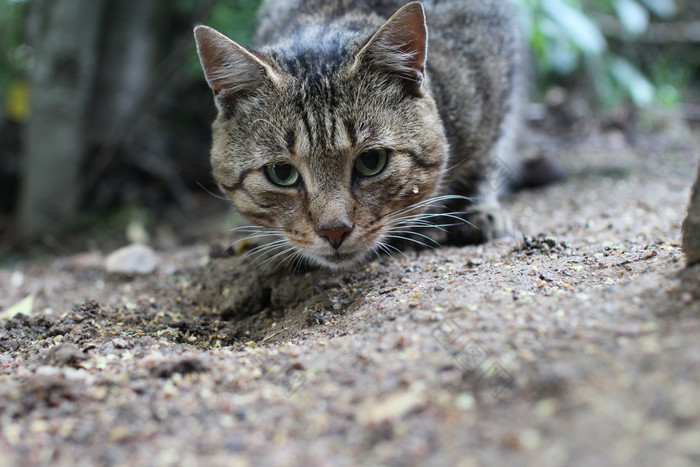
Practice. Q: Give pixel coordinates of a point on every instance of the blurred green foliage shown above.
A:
(14, 56)
(566, 36)
(567, 39)
(236, 19)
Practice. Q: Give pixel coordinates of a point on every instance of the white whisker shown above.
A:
(253, 228)
(411, 232)
(297, 261)
(427, 202)
(265, 264)
(409, 239)
(387, 247)
(253, 237)
(212, 194)
(267, 246)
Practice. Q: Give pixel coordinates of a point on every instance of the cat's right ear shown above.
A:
(400, 46)
(230, 69)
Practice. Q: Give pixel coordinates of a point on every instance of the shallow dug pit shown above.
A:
(269, 305)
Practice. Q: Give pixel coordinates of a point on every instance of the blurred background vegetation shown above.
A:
(104, 110)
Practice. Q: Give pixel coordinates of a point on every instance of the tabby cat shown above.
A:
(340, 130)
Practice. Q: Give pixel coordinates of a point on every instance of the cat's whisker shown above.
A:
(387, 248)
(287, 259)
(266, 247)
(411, 227)
(411, 232)
(430, 215)
(297, 261)
(450, 215)
(263, 250)
(254, 229)
(276, 124)
(409, 239)
(248, 226)
(262, 232)
(302, 258)
(439, 198)
(421, 221)
(253, 237)
(426, 225)
(249, 229)
(234, 244)
(265, 264)
(427, 202)
(254, 232)
(383, 247)
(378, 250)
(260, 120)
(212, 194)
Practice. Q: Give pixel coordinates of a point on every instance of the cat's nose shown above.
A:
(336, 234)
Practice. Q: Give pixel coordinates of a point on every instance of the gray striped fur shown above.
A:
(327, 80)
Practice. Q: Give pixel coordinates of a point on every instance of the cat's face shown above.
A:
(334, 164)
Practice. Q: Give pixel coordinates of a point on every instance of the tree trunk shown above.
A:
(93, 60)
(691, 226)
(99, 68)
(63, 34)
(128, 61)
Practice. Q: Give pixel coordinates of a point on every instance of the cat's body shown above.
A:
(336, 133)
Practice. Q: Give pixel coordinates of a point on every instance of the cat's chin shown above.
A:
(339, 261)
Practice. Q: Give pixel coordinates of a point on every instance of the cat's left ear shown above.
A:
(400, 46)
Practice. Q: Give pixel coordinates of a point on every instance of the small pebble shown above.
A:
(133, 259)
(65, 355)
(120, 343)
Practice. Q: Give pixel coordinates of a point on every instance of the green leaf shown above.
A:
(661, 8)
(608, 93)
(632, 15)
(632, 80)
(22, 307)
(562, 55)
(668, 95)
(579, 29)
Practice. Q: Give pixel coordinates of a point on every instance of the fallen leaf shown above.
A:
(24, 307)
(393, 407)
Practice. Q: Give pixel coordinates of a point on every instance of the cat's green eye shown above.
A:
(282, 174)
(371, 162)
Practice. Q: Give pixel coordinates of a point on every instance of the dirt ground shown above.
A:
(577, 342)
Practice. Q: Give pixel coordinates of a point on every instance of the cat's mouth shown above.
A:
(340, 257)
(338, 260)
(350, 254)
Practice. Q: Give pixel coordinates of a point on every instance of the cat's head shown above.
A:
(335, 151)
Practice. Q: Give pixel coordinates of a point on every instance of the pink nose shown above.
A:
(335, 235)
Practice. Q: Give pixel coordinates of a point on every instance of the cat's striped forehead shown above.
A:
(318, 50)
(319, 131)
(326, 117)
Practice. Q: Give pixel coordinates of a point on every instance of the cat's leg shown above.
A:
(486, 220)
(485, 217)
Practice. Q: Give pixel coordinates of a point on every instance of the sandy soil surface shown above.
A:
(577, 342)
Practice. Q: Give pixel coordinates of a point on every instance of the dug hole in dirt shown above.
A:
(573, 343)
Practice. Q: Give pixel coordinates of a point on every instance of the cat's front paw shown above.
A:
(484, 223)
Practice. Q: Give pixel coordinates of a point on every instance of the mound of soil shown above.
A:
(573, 343)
